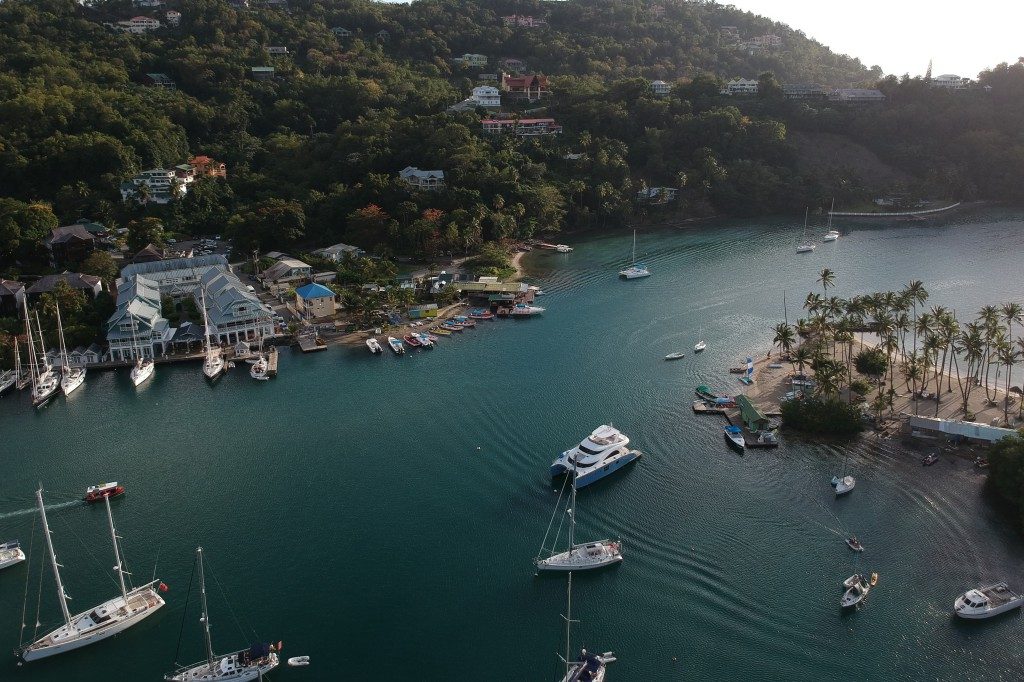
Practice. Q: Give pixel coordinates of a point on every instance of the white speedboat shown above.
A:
(675, 356)
(526, 310)
(853, 543)
(374, 346)
(297, 661)
(424, 339)
(111, 617)
(142, 370)
(396, 345)
(239, 666)
(734, 436)
(985, 602)
(11, 554)
(699, 346)
(601, 453)
(843, 485)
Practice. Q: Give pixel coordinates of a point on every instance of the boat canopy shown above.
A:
(259, 650)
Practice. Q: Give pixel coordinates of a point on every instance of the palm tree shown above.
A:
(989, 318)
(1020, 351)
(1012, 312)
(972, 344)
(784, 337)
(813, 303)
(1007, 356)
(826, 278)
(801, 356)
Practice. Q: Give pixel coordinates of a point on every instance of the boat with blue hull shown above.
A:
(600, 454)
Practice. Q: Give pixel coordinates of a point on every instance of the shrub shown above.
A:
(822, 416)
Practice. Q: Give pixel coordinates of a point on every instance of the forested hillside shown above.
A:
(313, 153)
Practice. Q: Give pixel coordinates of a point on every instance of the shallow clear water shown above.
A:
(380, 514)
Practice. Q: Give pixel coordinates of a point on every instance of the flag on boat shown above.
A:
(750, 366)
(163, 587)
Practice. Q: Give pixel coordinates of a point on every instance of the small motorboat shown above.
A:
(96, 493)
(985, 602)
(297, 661)
(396, 345)
(424, 339)
(843, 485)
(737, 370)
(374, 346)
(675, 356)
(442, 331)
(853, 543)
(856, 593)
(734, 436)
(464, 321)
(930, 459)
(413, 341)
(699, 346)
(851, 581)
(767, 439)
(523, 310)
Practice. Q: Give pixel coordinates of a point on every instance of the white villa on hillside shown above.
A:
(856, 95)
(661, 88)
(157, 185)
(471, 60)
(430, 180)
(950, 81)
(137, 25)
(740, 86)
(486, 96)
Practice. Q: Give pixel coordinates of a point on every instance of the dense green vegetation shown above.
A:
(829, 417)
(1006, 476)
(313, 154)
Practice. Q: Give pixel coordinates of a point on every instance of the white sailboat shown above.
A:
(144, 366)
(260, 370)
(636, 270)
(701, 343)
(831, 235)
(239, 666)
(805, 245)
(845, 483)
(103, 621)
(588, 667)
(45, 382)
(213, 363)
(577, 557)
(71, 378)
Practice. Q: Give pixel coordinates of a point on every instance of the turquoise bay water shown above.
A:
(380, 514)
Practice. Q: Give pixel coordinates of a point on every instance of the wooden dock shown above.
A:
(701, 407)
(311, 344)
(272, 362)
(732, 415)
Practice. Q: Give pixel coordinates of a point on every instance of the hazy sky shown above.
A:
(902, 35)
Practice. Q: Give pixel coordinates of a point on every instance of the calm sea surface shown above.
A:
(380, 514)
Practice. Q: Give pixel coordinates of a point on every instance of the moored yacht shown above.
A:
(45, 382)
(601, 453)
(985, 602)
(843, 485)
(831, 236)
(213, 363)
(374, 346)
(805, 246)
(526, 310)
(142, 370)
(11, 554)
(636, 270)
(111, 617)
(734, 436)
(96, 493)
(71, 378)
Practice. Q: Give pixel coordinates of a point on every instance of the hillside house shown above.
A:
(157, 185)
(476, 61)
(12, 295)
(262, 73)
(138, 25)
(950, 81)
(69, 244)
(429, 180)
(856, 96)
(512, 64)
(340, 32)
(523, 21)
(159, 80)
(148, 4)
(486, 96)
(531, 88)
(277, 51)
(740, 86)
(524, 127)
(286, 270)
(729, 34)
(338, 252)
(661, 88)
(657, 195)
(207, 167)
(805, 92)
(172, 17)
(382, 36)
(89, 284)
(315, 300)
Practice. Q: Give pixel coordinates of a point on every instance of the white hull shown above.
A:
(583, 557)
(699, 346)
(11, 557)
(225, 669)
(140, 373)
(83, 630)
(374, 346)
(72, 379)
(844, 485)
(213, 367)
(6, 381)
(830, 237)
(634, 273)
(805, 248)
(45, 388)
(259, 370)
(978, 604)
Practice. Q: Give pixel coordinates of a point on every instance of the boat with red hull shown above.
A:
(413, 341)
(96, 493)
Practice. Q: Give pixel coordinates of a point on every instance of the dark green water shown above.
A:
(345, 507)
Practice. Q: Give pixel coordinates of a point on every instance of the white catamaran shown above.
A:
(240, 666)
(106, 620)
(577, 557)
(213, 364)
(70, 377)
(45, 382)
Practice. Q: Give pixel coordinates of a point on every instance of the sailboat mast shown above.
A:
(634, 247)
(62, 598)
(33, 368)
(206, 321)
(568, 623)
(60, 335)
(830, 213)
(206, 612)
(117, 552)
(42, 344)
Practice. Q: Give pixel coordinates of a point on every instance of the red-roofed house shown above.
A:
(530, 88)
(523, 127)
(204, 165)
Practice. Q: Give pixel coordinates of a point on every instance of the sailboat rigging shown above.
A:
(71, 377)
(45, 382)
(831, 235)
(636, 270)
(239, 666)
(213, 364)
(588, 667)
(805, 245)
(144, 367)
(845, 483)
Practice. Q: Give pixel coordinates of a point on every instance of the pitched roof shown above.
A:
(314, 290)
(10, 287)
(61, 235)
(75, 280)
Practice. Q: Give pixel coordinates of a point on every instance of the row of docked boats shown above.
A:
(453, 325)
(129, 607)
(45, 379)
